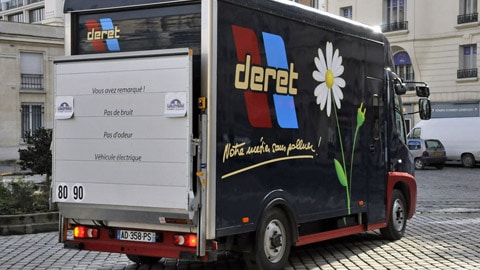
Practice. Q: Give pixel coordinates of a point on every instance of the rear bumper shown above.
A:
(434, 160)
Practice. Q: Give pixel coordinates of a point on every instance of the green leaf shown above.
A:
(342, 177)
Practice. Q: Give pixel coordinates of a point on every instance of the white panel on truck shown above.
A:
(122, 133)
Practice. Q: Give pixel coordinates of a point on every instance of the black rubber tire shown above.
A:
(419, 164)
(397, 221)
(272, 242)
(143, 259)
(468, 160)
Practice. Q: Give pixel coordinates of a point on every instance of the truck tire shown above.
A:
(273, 241)
(142, 259)
(397, 222)
(468, 161)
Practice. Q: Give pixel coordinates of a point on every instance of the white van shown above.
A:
(460, 136)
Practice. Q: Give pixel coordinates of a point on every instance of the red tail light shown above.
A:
(85, 232)
(189, 240)
(425, 154)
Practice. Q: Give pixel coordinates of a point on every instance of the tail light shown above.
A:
(425, 154)
(85, 232)
(189, 240)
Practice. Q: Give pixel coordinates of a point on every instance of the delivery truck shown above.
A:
(186, 129)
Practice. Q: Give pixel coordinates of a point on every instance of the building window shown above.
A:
(31, 118)
(395, 15)
(468, 11)
(310, 3)
(314, 4)
(31, 71)
(17, 17)
(346, 12)
(468, 61)
(403, 67)
(11, 4)
(36, 15)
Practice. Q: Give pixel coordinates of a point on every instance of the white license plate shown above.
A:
(136, 236)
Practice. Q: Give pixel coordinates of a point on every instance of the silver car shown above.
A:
(428, 152)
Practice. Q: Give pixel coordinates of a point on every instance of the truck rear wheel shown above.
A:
(272, 242)
(143, 259)
(397, 222)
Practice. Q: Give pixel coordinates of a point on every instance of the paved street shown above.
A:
(444, 234)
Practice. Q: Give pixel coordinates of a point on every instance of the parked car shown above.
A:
(428, 152)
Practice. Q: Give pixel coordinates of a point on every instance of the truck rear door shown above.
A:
(122, 137)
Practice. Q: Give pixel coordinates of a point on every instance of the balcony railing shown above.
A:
(31, 82)
(467, 18)
(396, 26)
(467, 73)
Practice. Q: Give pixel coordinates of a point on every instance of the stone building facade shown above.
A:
(433, 41)
(31, 36)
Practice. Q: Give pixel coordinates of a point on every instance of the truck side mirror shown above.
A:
(425, 110)
(400, 87)
(422, 91)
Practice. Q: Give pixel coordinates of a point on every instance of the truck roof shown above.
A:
(284, 8)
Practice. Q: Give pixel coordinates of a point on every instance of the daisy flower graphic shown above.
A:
(328, 92)
(329, 70)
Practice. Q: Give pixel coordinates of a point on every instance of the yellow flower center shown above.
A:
(329, 79)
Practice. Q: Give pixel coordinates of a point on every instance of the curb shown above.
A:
(29, 223)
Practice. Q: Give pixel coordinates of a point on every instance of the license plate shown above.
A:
(137, 236)
(437, 154)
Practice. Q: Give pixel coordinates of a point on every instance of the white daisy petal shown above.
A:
(323, 66)
(340, 82)
(329, 55)
(324, 92)
(329, 104)
(322, 104)
(335, 61)
(339, 105)
(337, 92)
(318, 76)
(320, 64)
(316, 60)
(338, 71)
(316, 92)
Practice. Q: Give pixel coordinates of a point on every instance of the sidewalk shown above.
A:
(8, 159)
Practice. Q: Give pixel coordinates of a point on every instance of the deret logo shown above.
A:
(103, 35)
(256, 80)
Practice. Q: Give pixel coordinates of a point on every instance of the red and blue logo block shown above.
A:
(103, 35)
(257, 81)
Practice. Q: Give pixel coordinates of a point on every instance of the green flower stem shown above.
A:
(343, 155)
(351, 162)
(360, 120)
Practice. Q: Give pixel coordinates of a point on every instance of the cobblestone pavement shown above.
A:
(444, 234)
(432, 241)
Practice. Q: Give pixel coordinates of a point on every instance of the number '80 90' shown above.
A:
(65, 192)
